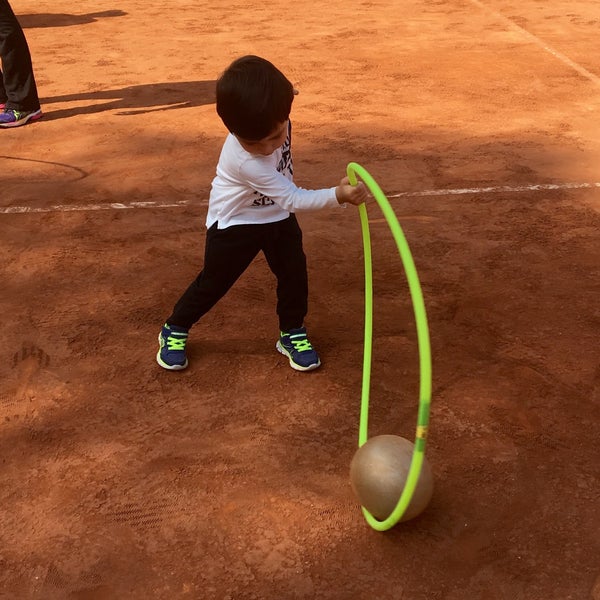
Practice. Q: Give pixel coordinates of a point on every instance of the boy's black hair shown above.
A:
(253, 97)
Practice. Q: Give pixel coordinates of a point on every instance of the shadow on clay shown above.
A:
(135, 99)
(64, 20)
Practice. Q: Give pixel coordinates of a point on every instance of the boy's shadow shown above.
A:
(135, 99)
(64, 20)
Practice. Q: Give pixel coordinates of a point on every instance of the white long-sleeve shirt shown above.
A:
(250, 189)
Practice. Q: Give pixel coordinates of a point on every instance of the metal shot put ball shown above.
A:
(378, 474)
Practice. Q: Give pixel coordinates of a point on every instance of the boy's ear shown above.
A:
(296, 92)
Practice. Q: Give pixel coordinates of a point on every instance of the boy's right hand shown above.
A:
(353, 194)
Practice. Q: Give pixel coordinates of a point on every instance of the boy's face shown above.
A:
(268, 144)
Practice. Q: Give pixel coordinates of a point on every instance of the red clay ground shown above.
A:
(230, 480)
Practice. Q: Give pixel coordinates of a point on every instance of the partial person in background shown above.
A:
(19, 102)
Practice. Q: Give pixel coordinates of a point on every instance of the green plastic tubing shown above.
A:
(414, 285)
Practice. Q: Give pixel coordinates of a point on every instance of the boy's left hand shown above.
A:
(353, 194)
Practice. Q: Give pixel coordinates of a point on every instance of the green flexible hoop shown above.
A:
(414, 285)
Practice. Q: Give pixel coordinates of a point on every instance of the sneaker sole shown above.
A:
(294, 365)
(36, 116)
(164, 365)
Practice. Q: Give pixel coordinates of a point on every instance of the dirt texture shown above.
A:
(230, 480)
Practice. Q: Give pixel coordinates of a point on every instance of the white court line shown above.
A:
(539, 187)
(8, 210)
(508, 189)
(565, 59)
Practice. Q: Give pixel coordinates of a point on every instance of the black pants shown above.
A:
(228, 254)
(17, 83)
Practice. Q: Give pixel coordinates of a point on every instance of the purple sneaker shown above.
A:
(15, 118)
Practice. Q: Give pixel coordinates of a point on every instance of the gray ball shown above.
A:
(378, 474)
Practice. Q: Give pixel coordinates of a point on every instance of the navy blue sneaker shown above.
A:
(295, 345)
(171, 351)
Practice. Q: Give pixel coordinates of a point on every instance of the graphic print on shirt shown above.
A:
(284, 167)
(261, 200)
(285, 164)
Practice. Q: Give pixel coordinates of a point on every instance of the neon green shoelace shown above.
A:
(301, 345)
(174, 343)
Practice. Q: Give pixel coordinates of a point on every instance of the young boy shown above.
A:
(252, 208)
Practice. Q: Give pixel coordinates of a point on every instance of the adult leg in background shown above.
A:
(17, 86)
